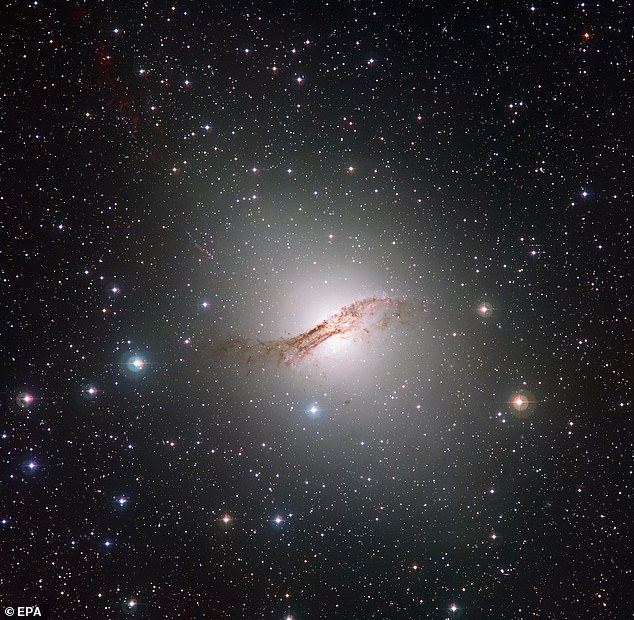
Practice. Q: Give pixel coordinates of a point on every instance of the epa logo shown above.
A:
(31, 611)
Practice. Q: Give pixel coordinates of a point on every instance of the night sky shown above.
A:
(316, 310)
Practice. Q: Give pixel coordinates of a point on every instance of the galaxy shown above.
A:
(316, 310)
(360, 319)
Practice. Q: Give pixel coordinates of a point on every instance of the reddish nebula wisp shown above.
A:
(358, 320)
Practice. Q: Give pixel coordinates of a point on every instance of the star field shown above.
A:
(425, 207)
